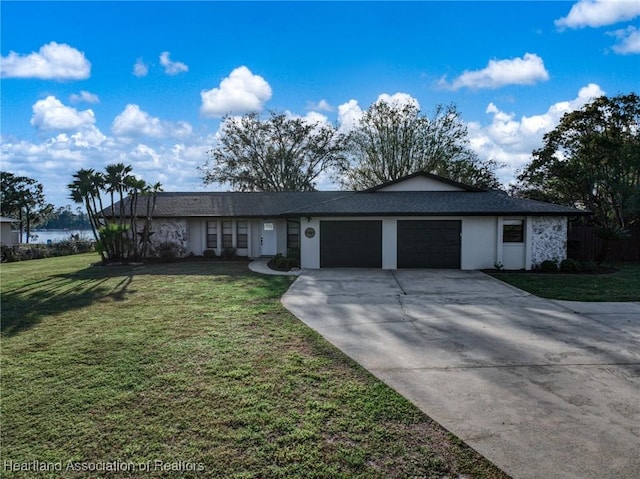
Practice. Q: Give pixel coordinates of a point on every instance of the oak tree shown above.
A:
(394, 139)
(279, 153)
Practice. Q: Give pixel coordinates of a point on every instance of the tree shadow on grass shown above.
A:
(25, 306)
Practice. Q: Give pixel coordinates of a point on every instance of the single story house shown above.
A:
(9, 234)
(418, 221)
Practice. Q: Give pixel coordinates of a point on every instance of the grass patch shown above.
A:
(623, 285)
(197, 366)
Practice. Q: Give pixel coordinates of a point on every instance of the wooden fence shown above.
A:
(583, 244)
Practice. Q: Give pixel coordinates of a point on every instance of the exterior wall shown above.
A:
(8, 237)
(481, 242)
(196, 234)
(421, 183)
(173, 230)
(479, 245)
(310, 247)
(548, 238)
(478, 242)
(513, 256)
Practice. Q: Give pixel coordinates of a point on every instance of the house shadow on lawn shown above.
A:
(26, 306)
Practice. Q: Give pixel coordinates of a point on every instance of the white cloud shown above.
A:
(170, 67)
(628, 41)
(84, 96)
(527, 70)
(398, 99)
(598, 13)
(241, 92)
(322, 105)
(51, 114)
(140, 68)
(349, 115)
(134, 122)
(510, 141)
(53, 61)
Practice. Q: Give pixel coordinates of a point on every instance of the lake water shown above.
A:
(44, 236)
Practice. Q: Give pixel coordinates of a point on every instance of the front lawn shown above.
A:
(623, 285)
(193, 370)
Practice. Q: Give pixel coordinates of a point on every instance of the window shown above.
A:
(212, 234)
(513, 231)
(227, 234)
(293, 234)
(241, 234)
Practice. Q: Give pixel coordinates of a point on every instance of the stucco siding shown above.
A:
(172, 230)
(513, 256)
(197, 236)
(478, 246)
(310, 247)
(8, 236)
(548, 239)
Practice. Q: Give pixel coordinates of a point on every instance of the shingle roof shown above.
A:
(244, 204)
(349, 203)
(437, 203)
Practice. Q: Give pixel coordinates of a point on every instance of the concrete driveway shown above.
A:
(538, 388)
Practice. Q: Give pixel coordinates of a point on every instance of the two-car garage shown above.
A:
(420, 243)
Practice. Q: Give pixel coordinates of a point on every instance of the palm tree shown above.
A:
(85, 189)
(116, 178)
(151, 193)
(134, 187)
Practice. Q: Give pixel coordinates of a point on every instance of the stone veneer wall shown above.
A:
(549, 239)
(173, 231)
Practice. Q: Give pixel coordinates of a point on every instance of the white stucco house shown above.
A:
(9, 234)
(419, 221)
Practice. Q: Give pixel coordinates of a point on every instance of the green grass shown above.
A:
(196, 365)
(623, 285)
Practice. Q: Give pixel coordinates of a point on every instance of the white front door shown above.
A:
(268, 241)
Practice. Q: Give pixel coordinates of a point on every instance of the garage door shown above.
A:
(356, 244)
(429, 244)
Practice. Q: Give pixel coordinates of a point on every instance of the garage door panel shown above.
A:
(356, 244)
(429, 244)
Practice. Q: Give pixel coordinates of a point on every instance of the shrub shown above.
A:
(228, 253)
(283, 263)
(571, 266)
(168, 251)
(549, 266)
(209, 253)
(9, 254)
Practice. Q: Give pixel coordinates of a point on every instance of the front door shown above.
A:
(268, 240)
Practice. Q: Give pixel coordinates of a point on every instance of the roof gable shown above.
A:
(422, 181)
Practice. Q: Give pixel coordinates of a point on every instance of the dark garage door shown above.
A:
(429, 244)
(356, 244)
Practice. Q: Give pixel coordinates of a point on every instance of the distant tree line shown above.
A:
(23, 198)
(64, 218)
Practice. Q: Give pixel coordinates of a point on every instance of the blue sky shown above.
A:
(85, 84)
